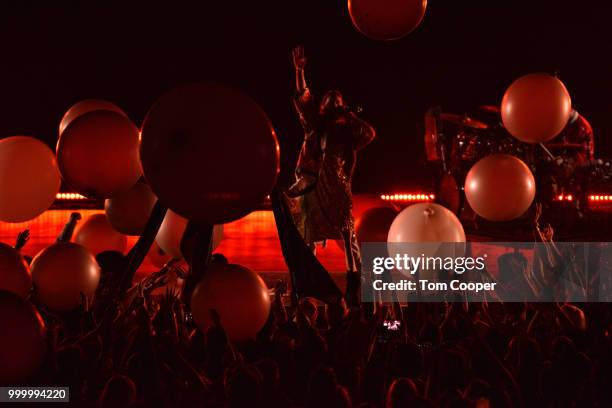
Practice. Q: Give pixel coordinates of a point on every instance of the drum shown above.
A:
(469, 146)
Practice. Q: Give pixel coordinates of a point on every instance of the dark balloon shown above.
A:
(238, 294)
(85, 106)
(363, 202)
(374, 224)
(129, 212)
(209, 153)
(386, 19)
(98, 154)
(500, 187)
(97, 235)
(14, 271)
(22, 339)
(61, 273)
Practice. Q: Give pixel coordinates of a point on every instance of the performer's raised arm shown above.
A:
(299, 63)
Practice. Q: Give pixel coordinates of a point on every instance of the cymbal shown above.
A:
(490, 108)
(462, 120)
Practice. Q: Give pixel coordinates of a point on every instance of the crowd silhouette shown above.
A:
(145, 350)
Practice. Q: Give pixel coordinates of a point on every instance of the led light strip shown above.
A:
(69, 196)
(600, 197)
(408, 197)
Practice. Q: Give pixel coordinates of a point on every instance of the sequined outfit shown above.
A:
(330, 151)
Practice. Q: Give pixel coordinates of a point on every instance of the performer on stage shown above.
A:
(322, 192)
(578, 131)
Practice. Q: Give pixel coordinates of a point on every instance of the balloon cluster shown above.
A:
(207, 152)
(535, 109)
(499, 187)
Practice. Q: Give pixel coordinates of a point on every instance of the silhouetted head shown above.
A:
(111, 262)
(219, 258)
(336, 313)
(332, 103)
(119, 391)
(308, 306)
(402, 393)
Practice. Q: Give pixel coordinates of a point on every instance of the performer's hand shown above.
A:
(299, 60)
(547, 233)
(537, 214)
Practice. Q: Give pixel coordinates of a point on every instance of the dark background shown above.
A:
(465, 53)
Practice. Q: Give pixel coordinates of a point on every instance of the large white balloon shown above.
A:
(426, 230)
(171, 232)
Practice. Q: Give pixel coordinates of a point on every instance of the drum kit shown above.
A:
(462, 141)
(474, 139)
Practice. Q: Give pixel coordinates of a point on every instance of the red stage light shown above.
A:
(564, 197)
(600, 202)
(408, 197)
(69, 196)
(604, 197)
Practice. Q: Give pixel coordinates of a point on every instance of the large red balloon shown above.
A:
(29, 178)
(362, 203)
(386, 19)
(98, 154)
(129, 212)
(536, 108)
(85, 106)
(374, 224)
(238, 294)
(209, 153)
(14, 271)
(500, 187)
(97, 235)
(171, 233)
(22, 339)
(61, 273)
